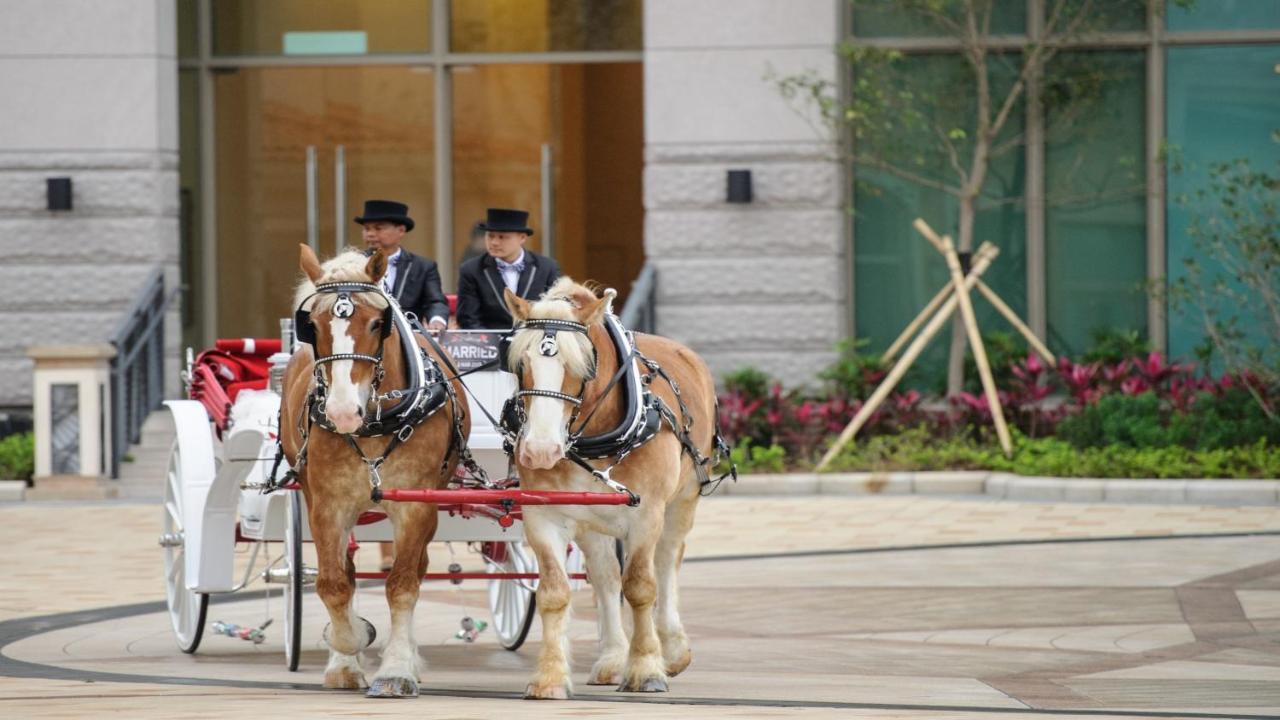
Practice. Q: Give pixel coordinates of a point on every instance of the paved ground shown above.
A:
(805, 607)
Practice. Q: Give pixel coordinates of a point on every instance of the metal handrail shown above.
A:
(638, 312)
(137, 371)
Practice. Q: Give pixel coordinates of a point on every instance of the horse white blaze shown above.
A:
(545, 433)
(346, 399)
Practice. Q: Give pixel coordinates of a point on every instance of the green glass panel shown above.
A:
(254, 27)
(1095, 190)
(1223, 103)
(545, 25)
(890, 18)
(1225, 15)
(896, 271)
(190, 244)
(187, 43)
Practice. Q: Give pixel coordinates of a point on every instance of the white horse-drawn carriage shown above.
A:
(224, 457)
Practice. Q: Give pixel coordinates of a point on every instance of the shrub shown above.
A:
(18, 456)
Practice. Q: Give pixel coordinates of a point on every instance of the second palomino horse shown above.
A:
(638, 413)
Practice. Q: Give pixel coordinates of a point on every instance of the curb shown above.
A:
(1005, 486)
(11, 490)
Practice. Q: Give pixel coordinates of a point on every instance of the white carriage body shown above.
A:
(222, 481)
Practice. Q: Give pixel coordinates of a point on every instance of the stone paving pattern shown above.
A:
(1187, 625)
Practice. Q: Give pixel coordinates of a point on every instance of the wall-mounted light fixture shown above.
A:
(739, 186)
(58, 193)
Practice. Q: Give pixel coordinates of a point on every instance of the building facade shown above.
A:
(207, 138)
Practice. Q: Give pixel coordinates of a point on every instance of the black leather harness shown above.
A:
(428, 389)
(643, 411)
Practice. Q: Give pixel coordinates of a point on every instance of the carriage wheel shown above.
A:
(187, 608)
(512, 603)
(296, 578)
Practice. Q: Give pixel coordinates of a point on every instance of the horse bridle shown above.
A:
(344, 307)
(549, 346)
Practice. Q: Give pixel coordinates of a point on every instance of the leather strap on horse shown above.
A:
(683, 432)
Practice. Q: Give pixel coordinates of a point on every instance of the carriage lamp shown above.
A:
(739, 186)
(58, 193)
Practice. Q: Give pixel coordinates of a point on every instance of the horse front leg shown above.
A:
(415, 524)
(546, 531)
(667, 559)
(347, 633)
(606, 583)
(645, 670)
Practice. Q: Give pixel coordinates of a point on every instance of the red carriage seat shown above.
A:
(232, 365)
(453, 304)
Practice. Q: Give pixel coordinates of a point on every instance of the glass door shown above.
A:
(299, 149)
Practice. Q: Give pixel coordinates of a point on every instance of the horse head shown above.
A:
(552, 353)
(346, 319)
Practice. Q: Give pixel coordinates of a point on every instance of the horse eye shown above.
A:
(375, 325)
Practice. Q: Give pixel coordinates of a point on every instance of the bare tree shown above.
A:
(940, 124)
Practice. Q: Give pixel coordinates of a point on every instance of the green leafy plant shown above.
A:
(749, 382)
(855, 372)
(758, 458)
(1112, 345)
(18, 456)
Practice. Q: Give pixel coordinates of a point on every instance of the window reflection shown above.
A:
(544, 25)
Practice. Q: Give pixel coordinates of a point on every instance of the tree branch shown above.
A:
(907, 175)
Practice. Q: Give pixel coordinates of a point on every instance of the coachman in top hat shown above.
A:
(507, 264)
(414, 281)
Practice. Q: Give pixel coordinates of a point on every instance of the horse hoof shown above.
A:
(603, 677)
(679, 666)
(373, 632)
(393, 687)
(546, 692)
(344, 679)
(647, 685)
(369, 629)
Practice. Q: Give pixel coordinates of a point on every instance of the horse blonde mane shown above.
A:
(561, 302)
(347, 266)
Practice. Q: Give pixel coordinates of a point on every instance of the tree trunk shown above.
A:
(959, 342)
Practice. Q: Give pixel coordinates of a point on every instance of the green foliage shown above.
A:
(757, 458)
(1231, 419)
(1112, 345)
(917, 450)
(751, 383)
(1004, 350)
(18, 457)
(855, 373)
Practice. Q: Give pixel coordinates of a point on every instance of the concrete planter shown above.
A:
(1006, 486)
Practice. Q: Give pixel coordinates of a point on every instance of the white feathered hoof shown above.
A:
(393, 687)
(646, 685)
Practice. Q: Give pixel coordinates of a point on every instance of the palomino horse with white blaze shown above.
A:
(568, 366)
(364, 410)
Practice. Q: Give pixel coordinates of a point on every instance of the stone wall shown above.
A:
(90, 93)
(760, 284)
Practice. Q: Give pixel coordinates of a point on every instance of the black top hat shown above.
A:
(504, 220)
(388, 210)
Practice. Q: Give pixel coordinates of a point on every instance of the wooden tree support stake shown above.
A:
(982, 260)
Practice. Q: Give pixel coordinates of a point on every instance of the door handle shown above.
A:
(313, 230)
(339, 198)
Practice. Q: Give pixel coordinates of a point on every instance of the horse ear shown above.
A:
(309, 263)
(516, 305)
(376, 267)
(590, 313)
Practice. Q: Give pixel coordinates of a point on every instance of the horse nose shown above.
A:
(345, 419)
(540, 454)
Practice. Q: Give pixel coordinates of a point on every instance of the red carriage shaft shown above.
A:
(498, 497)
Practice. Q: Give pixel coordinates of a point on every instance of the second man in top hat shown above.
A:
(506, 264)
(414, 281)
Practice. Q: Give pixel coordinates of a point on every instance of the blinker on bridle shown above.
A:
(549, 346)
(343, 307)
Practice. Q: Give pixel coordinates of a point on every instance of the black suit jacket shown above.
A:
(480, 286)
(417, 287)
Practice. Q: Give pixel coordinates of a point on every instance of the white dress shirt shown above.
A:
(510, 272)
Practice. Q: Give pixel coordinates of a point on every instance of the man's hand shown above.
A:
(437, 324)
